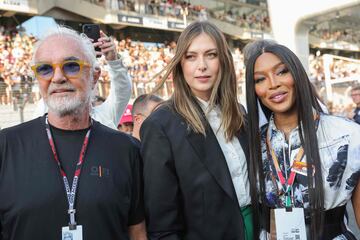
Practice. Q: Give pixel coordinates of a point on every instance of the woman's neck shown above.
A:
(286, 122)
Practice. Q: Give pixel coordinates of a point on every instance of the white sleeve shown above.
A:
(354, 157)
(110, 112)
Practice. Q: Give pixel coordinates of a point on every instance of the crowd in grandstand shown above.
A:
(337, 35)
(15, 74)
(258, 21)
(168, 8)
(339, 68)
(143, 60)
(143, 63)
(180, 9)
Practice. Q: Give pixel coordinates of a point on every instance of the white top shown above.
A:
(109, 112)
(233, 153)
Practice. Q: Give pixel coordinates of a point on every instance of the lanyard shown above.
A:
(285, 183)
(71, 193)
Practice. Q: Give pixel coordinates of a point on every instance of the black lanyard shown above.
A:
(71, 193)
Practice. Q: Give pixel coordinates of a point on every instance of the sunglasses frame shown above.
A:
(60, 65)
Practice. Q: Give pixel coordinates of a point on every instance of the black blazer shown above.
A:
(188, 189)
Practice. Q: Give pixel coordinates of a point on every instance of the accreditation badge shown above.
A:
(290, 224)
(299, 167)
(75, 234)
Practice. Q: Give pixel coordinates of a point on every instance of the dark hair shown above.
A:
(141, 103)
(255, 47)
(305, 102)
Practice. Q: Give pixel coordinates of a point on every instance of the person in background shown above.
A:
(143, 106)
(126, 124)
(308, 162)
(3, 86)
(111, 110)
(355, 95)
(194, 147)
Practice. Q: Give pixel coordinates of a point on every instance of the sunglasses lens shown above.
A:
(44, 70)
(71, 68)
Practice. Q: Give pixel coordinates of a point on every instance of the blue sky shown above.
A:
(38, 25)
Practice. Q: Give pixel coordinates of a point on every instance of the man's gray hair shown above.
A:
(84, 41)
(87, 49)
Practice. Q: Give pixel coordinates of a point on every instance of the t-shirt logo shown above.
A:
(99, 171)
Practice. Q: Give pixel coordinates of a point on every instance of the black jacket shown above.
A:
(189, 192)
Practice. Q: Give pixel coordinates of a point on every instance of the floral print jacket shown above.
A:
(339, 148)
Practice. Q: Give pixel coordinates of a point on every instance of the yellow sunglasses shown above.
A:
(69, 68)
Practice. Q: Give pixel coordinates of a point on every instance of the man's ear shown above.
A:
(137, 118)
(96, 75)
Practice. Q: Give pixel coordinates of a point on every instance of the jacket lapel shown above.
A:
(210, 153)
(243, 139)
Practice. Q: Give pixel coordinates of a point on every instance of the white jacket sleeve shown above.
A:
(110, 112)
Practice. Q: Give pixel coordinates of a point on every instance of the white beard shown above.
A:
(71, 104)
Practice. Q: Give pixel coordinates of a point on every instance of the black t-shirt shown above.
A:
(33, 203)
(68, 144)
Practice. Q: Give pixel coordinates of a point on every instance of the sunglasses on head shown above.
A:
(69, 68)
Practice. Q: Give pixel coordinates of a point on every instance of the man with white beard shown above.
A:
(110, 111)
(65, 174)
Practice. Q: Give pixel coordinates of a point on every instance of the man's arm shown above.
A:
(110, 112)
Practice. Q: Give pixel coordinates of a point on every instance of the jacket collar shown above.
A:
(209, 152)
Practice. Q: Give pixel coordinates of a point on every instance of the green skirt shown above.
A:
(248, 222)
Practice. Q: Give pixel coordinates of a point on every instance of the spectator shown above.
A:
(3, 86)
(126, 122)
(15, 88)
(355, 95)
(143, 106)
